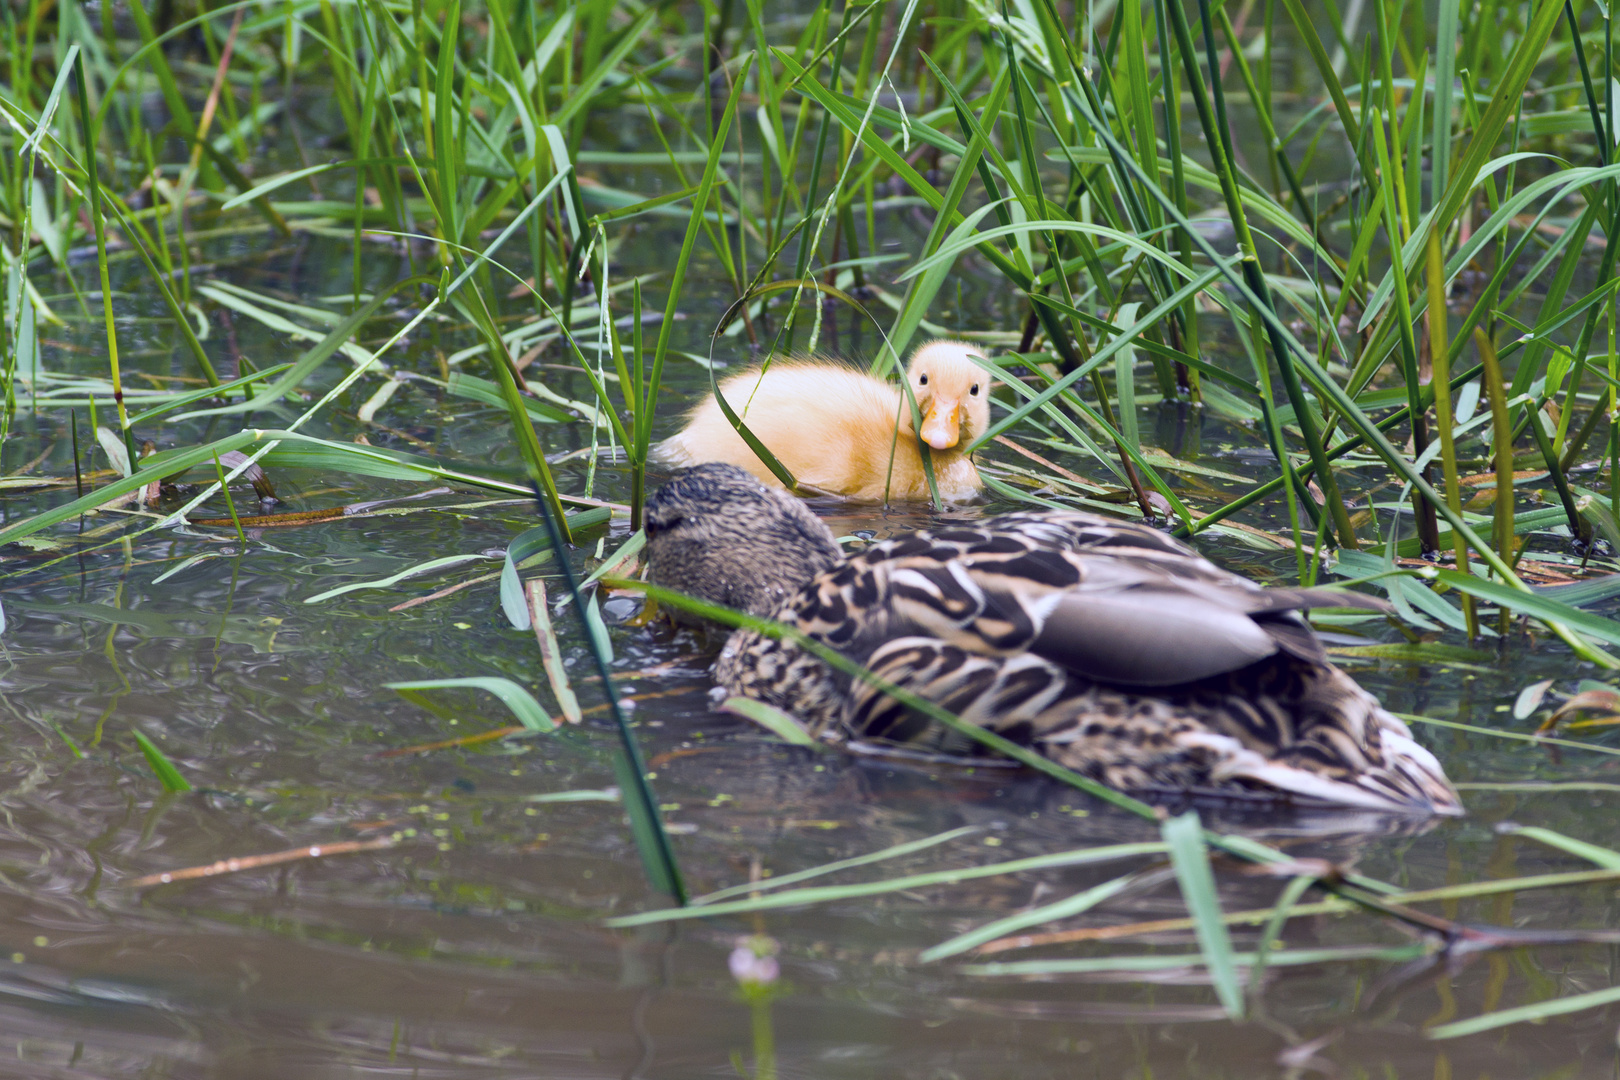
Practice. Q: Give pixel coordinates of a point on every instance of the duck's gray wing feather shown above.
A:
(1120, 605)
(1116, 621)
(1149, 637)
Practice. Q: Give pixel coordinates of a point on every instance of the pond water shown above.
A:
(475, 946)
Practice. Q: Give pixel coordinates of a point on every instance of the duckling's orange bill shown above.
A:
(942, 424)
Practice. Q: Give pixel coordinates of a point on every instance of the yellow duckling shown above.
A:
(834, 427)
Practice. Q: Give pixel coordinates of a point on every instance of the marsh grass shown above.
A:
(1399, 256)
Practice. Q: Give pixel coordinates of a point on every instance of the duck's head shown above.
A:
(716, 533)
(953, 393)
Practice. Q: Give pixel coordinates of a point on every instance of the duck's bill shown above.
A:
(942, 425)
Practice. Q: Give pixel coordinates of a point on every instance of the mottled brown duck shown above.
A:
(1111, 648)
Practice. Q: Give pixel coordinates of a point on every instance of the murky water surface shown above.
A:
(475, 946)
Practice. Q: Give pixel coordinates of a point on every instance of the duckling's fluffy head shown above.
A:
(953, 393)
(716, 533)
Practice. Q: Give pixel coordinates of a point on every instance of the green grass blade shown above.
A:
(428, 567)
(1538, 1012)
(524, 546)
(1445, 74)
(182, 400)
(783, 725)
(167, 774)
(151, 469)
(678, 275)
(514, 697)
(91, 130)
(1607, 858)
(1066, 908)
(910, 847)
(828, 893)
(1184, 836)
(1516, 736)
(306, 365)
(1155, 964)
(1532, 603)
(646, 821)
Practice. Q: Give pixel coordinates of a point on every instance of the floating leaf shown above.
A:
(783, 726)
(1529, 699)
(1066, 908)
(1419, 652)
(590, 609)
(825, 893)
(910, 847)
(1541, 1010)
(1497, 733)
(393, 579)
(524, 546)
(1605, 700)
(1538, 605)
(114, 448)
(551, 653)
(1607, 858)
(520, 701)
(167, 774)
(489, 393)
(584, 795)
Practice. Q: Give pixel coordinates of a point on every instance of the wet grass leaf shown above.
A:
(167, 774)
(784, 726)
(910, 847)
(826, 893)
(514, 697)
(1066, 908)
(394, 579)
(1541, 1010)
(1146, 965)
(1184, 837)
(1607, 858)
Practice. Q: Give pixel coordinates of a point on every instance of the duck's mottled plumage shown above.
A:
(1116, 650)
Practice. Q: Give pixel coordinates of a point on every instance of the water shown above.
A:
(475, 946)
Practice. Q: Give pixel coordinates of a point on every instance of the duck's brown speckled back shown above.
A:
(1112, 648)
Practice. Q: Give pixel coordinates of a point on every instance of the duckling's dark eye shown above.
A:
(974, 390)
(922, 380)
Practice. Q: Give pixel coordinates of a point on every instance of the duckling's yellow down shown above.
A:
(837, 428)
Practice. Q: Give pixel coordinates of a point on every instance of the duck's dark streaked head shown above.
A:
(716, 533)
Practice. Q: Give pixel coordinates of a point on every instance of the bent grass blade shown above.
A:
(167, 774)
(826, 893)
(514, 697)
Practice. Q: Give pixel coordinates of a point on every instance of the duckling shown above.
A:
(834, 427)
(1114, 649)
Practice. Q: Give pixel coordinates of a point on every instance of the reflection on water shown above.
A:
(475, 946)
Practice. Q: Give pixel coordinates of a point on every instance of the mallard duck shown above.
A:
(1114, 649)
(834, 427)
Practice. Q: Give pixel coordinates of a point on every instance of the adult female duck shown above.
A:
(1115, 650)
